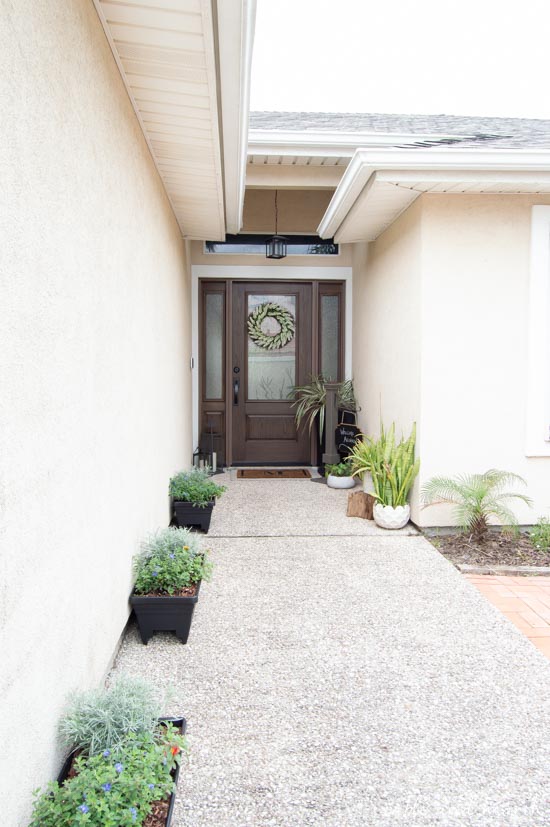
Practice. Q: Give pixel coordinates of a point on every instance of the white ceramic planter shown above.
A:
(340, 482)
(386, 516)
(368, 487)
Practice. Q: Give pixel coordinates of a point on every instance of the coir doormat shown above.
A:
(273, 474)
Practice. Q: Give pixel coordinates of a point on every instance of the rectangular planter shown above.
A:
(164, 614)
(187, 515)
(179, 723)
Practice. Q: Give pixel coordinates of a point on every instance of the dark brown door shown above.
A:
(272, 352)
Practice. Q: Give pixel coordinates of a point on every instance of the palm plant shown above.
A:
(476, 498)
(310, 401)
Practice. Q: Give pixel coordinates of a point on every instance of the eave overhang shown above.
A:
(378, 185)
(186, 68)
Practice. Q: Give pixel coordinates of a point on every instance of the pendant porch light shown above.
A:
(275, 247)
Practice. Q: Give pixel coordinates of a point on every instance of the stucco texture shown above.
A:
(95, 371)
(440, 336)
(387, 325)
(475, 295)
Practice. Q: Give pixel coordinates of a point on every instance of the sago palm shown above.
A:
(476, 498)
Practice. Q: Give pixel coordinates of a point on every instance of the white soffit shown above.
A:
(167, 52)
(379, 185)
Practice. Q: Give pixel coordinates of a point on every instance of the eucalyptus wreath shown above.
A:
(270, 310)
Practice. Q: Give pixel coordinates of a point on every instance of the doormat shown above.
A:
(273, 474)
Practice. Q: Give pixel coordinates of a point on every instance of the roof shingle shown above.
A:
(455, 130)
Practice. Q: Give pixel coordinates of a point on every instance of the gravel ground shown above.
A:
(352, 681)
(286, 508)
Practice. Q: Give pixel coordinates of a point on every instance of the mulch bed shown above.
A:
(498, 549)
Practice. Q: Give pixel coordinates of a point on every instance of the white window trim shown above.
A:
(537, 442)
(261, 273)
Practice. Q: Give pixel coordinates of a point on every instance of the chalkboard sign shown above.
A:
(346, 437)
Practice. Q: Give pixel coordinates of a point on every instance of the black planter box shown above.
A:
(187, 515)
(179, 723)
(164, 614)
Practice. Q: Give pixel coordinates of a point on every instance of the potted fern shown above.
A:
(193, 495)
(393, 468)
(169, 570)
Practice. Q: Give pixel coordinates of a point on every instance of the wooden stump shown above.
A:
(360, 505)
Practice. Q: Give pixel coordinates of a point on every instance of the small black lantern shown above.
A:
(202, 459)
(275, 247)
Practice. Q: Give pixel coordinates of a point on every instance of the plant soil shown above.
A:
(157, 816)
(499, 549)
(186, 591)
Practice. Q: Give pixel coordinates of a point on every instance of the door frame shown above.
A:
(261, 273)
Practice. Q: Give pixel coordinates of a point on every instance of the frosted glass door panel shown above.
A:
(214, 327)
(330, 336)
(271, 372)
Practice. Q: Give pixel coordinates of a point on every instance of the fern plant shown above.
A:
(477, 498)
(99, 719)
(311, 399)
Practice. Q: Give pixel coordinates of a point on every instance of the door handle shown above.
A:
(235, 391)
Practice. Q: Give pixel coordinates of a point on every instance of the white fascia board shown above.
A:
(366, 163)
(330, 144)
(236, 20)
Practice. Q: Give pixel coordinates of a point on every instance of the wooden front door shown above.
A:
(271, 352)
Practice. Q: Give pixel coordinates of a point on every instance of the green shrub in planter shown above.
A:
(169, 561)
(116, 787)
(195, 487)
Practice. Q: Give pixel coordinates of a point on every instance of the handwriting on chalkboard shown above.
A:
(346, 437)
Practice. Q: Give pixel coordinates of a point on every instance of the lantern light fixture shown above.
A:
(275, 247)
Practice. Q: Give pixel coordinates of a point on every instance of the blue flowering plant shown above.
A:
(114, 788)
(171, 562)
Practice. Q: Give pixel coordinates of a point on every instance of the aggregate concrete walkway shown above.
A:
(353, 680)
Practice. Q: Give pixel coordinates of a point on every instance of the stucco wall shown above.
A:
(94, 361)
(387, 327)
(440, 335)
(475, 272)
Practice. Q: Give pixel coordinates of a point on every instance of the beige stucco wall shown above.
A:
(475, 276)
(440, 336)
(94, 370)
(387, 326)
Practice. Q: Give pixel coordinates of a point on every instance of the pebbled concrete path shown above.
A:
(351, 680)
